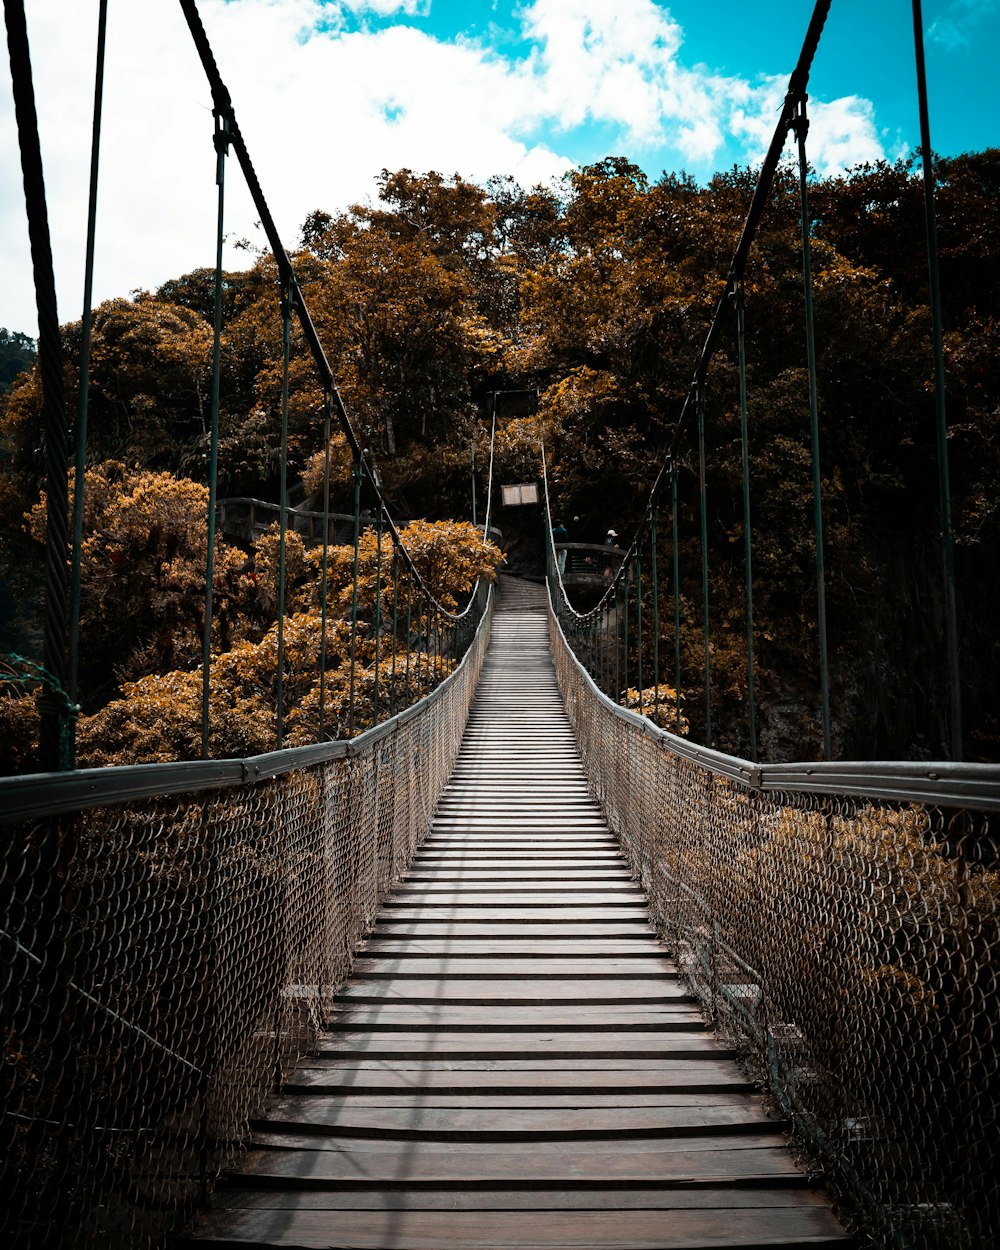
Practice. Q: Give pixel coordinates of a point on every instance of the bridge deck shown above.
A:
(516, 1063)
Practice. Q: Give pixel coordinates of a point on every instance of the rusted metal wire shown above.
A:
(202, 935)
(841, 924)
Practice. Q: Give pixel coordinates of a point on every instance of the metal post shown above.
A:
(354, 593)
(409, 634)
(378, 607)
(324, 575)
(800, 125)
(703, 508)
(395, 627)
(606, 650)
(221, 139)
(677, 595)
(625, 573)
(638, 621)
(474, 478)
(286, 350)
(617, 690)
(656, 612)
(747, 556)
(944, 488)
(84, 391)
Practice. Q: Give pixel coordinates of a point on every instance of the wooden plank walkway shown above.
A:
(516, 1062)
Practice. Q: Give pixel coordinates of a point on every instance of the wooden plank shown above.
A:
(546, 1072)
(439, 1153)
(474, 875)
(534, 967)
(604, 887)
(561, 1078)
(611, 926)
(481, 914)
(501, 1123)
(502, 847)
(552, 1044)
(687, 1161)
(486, 1230)
(526, 990)
(620, 1198)
(510, 864)
(490, 1019)
(538, 1099)
(522, 885)
(568, 901)
(585, 948)
(517, 1016)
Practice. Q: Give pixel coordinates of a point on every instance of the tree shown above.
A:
(17, 353)
(149, 389)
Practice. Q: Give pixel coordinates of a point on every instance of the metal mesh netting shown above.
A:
(167, 961)
(849, 946)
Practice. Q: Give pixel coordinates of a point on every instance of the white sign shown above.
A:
(525, 493)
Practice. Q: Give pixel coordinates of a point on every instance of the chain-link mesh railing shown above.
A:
(848, 943)
(167, 959)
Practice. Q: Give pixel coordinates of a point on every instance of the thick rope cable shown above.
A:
(797, 85)
(796, 90)
(223, 104)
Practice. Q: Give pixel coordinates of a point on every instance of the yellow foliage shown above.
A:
(158, 718)
(658, 704)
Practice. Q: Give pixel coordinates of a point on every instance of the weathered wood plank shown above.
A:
(592, 1099)
(542, 929)
(552, 1044)
(500, 1123)
(467, 948)
(481, 914)
(687, 1161)
(593, 989)
(486, 1230)
(474, 876)
(568, 1077)
(516, 1015)
(535, 967)
(620, 1198)
(601, 889)
(573, 901)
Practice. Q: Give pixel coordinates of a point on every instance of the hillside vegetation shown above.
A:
(598, 294)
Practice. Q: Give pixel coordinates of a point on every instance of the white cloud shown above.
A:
(617, 61)
(842, 133)
(389, 8)
(324, 105)
(955, 29)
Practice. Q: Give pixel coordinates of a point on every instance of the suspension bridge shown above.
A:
(508, 963)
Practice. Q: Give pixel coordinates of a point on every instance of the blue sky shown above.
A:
(328, 92)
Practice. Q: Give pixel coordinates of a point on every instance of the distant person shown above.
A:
(560, 535)
(612, 542)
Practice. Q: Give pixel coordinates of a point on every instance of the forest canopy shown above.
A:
(596, 295)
